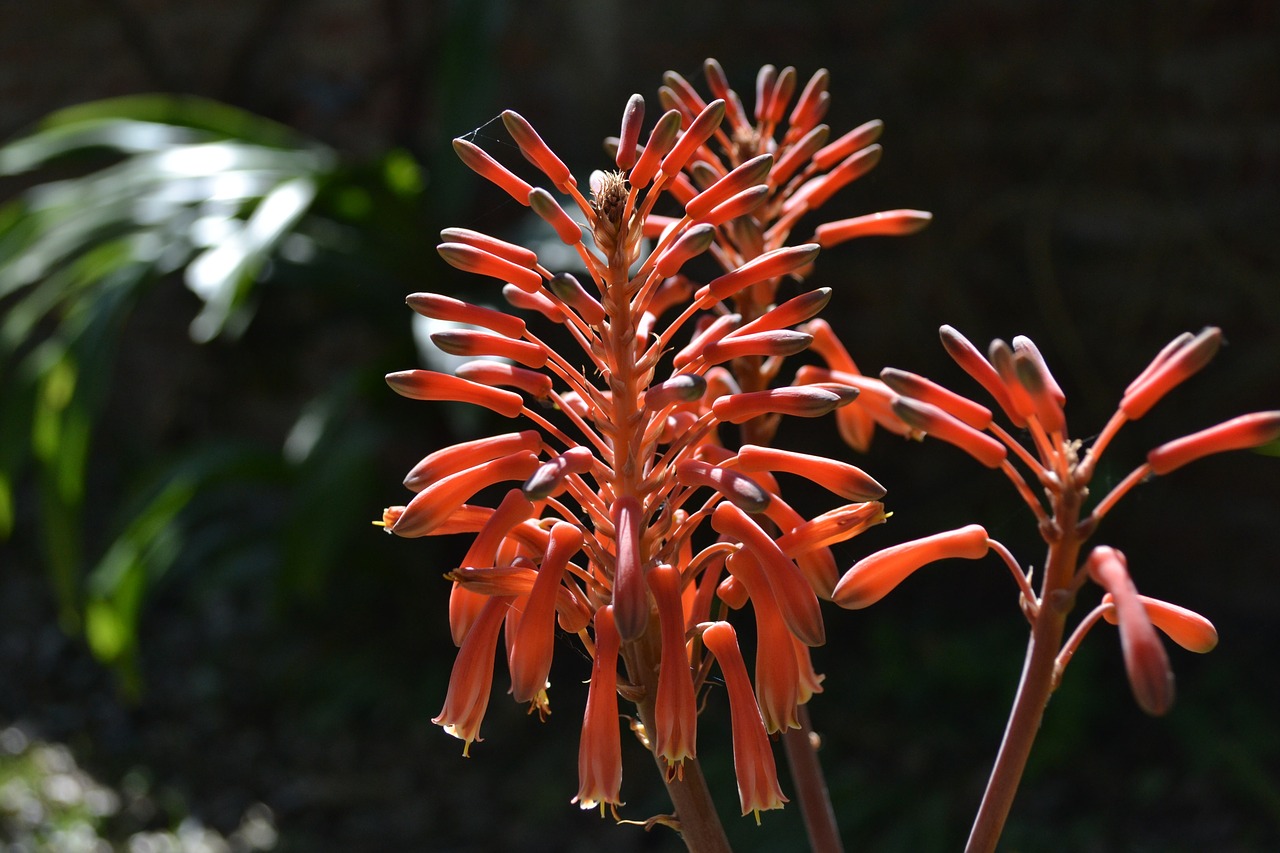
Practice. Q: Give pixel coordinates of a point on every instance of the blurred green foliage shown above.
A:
(137, 191)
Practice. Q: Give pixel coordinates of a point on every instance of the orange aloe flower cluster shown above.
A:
(1061, 468)
(628, 519)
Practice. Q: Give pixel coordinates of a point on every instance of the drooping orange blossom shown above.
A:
(1018, 379)
(603, 531)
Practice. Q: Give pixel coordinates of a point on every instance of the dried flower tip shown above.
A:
(855, 140)
(692, 139)
(774, 342)
(1185, 627)
(429, 385)
(451, 310)
(691, 243)
(434, 504)
(886, 223)
(452, 459)
(802, 401)
(469, 342)
(795, 597)
(536, 151)
(1172, 371)
(738, 488)
(661, 140)
(749, 174)
(875, 576)
(1145, 660)
(510, 251)
(545, 205)
(568, 289)
(629, 139)
(933, 421)
(975, 364)
(841, 478)
(470, 259)
(772, 264)
(753, 762)
(550, 477)
(630, 601)
(600, 748)
(681, 388)
(486, 167)
(926, 390)
(1242, 433)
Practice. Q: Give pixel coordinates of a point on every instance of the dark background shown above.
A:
(1103, 176)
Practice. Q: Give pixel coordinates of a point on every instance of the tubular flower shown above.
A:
(768, 167)
(619, 501)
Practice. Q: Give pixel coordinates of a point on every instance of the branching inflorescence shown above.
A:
(1055, 487)
(634, 521)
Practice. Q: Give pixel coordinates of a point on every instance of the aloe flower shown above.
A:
(773, 166)
(624, 516)
(1052, 473)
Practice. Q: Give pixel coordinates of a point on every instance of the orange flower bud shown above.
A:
(536, 151)
(431, 506)
(470, 259)
(749, 174)
(694, 241)
(753, 762)
(661, 139)
(737, 205)
(501, 374)
(429, 385)
(572, 293)
(810, 107)
(855, 140)
(455, 457)
(472, 676)
(469, 342)
(771, 342)
(600, 749)
(795, 597)
(550, 211)
(926, 390)
(802, 401)
(772, 264)
(681, 388)
(487, 167)
(818, 191)
(1185, 627)
(842, 478)
(630, 601)
(550, 477)
(534, 642)
(508, 251)
(705, 337)
(779, 96)
(629, 138)
(1001, 358)
(1039, 386)
(692, 139)
(933, 421)
(975, 364)
(837, 525)
(1171, 371)
(875, 576)
(1145, 659)
(886, 223)
(675, 710)
(777, 677)
(446, 308)
(743, 491)
(1240, 433)
(793, 311)
(797, 155)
